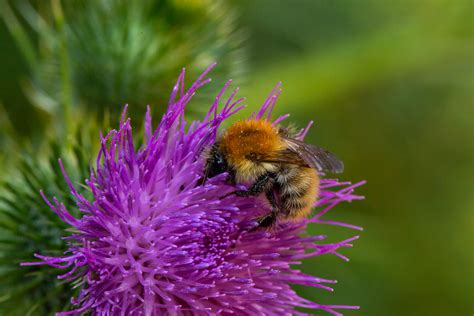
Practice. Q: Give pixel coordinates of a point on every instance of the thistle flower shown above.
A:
(153, 241)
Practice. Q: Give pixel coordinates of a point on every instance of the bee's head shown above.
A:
(215, 163)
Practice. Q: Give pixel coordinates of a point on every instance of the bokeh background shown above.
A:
(389, 84)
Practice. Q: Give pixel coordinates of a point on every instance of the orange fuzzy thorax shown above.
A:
(247, 141)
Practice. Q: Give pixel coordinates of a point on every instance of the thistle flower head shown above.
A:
(153, 240)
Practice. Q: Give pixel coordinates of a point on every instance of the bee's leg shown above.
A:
(271, 198)
(231, 177)
(258, 187)
(269, 219)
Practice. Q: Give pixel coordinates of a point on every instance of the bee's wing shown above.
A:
(314, 156)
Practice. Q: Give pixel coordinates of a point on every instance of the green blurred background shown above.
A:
(390, 85)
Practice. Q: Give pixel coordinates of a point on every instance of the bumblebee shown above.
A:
(273, 162)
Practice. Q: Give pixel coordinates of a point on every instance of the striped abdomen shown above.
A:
(298, 189)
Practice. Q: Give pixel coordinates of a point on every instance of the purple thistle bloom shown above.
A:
(152, 241)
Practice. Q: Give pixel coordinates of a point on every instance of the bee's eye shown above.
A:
(219, 160)
(216, 164)
(220, 163)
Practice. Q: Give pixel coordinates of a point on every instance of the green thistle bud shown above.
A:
(28, 225)
(101, 55)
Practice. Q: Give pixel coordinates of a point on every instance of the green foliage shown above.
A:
(29, 226)
(6, 128)
(101, 55)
